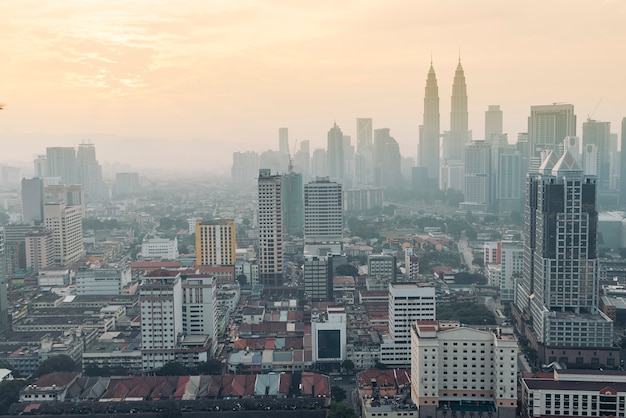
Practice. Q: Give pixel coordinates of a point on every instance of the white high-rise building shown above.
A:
(590, 160)
(493, 122)
(39, 246)
(512, 263)
(156, 247)
(548, 125)
(66, 224)
(323, 216)
(161, 300)
(270, 225)
(200, 307)
(469, 370)
(408, 303)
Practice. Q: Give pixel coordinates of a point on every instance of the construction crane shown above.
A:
(596, 108)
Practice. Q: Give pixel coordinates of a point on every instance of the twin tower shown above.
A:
(434, 147)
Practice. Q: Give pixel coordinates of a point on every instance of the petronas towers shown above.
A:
(436, 150)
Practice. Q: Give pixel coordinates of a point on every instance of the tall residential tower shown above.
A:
(270, 226)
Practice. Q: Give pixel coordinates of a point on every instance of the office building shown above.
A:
(323, 216)
(459, 134)
(510, 180)
(66, 224)
(408, 303)
(61, 162)
(159, 248)
(335, 160)
(599, 134)
(548, 126)
(556, 302)
(329, 337)
(40, 166)
(590, 160)
(363, 198)
(302, 160)
(270, 226)
(382, 267)
(622, 178)
(387, 160)
(199, 311)
(464, 371)
(216, 242)
(39, 245)
(478, 176)
(428, 154)
(570, 393)
(110, 280)
(161, 301)
(32, 200)
(411, 265)
(493, 122)
(89, 173)
(126, 184)
(316, 280)
(452, 175)
(364, 151)
(5, 322)
(283, 147)
(293, 203)
(511, 267)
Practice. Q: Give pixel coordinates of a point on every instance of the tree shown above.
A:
(516, 218)
(10, 394)
(338, 394)
(478, 261)
(467, 313)
(242, 279)
(469, 278)
(347, 270)
(60, 363)
(348, 365)
(211, 366)
(173, 368)
(339, 410)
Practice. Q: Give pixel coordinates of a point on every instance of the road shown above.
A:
(466, 253)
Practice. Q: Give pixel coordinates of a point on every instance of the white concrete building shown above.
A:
(200, 307)
(512, 264)
(463, 369)
(408, 303)
(161, 300)
(570, 393)
(66, 224)
(329, 336)
(323, 216)
(270, 226)
(102, 281)
(162, 248)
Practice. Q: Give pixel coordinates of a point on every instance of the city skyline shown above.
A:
(199, 81)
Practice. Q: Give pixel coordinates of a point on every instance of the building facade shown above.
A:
(323, 216)
(216, 242)
(270, 226)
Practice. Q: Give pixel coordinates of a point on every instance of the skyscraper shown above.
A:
(5, 322)
(387, 159)
(493, 122)
(459, 134)
(599, 134)
(548, 126)
(61, 162)
(89, 172)
(161, 301)
(302, 159)
(245, 166)
(32, 200)
(509, 180)
(323, 216)
(216, 243)
(283, 147)
(335, 159)
(556, 303)
(430, 131)
(622, 173)
(270, 226)
(66, 224)
(478, 175)
(364, 151)
(293, 204)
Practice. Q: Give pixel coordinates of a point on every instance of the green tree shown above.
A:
(469, 278)
(467, 313)
(478, 261)
(338, 394)
(211, 366)
(347, 270)
(173, 368)
(60, 363)
(339, 410)
(242, 279)
(516, 218)
(10, 394)
(348, 365)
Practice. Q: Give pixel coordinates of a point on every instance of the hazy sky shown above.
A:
(188, 82)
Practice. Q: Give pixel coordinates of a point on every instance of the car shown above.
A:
(338, 379)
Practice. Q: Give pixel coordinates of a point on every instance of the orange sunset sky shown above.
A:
(165, 83)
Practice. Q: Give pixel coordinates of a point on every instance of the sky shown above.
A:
(170, 84)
